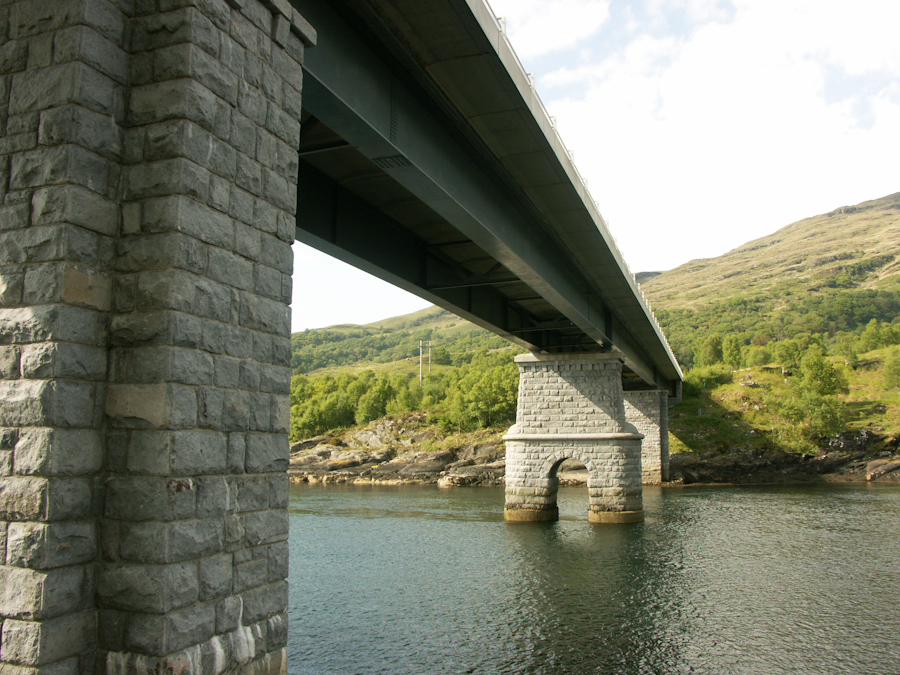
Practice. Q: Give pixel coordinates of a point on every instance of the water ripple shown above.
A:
(720, 581)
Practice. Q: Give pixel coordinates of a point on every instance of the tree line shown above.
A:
(479, 392)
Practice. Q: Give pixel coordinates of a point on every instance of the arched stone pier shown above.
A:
(648, 412)
(572, 406)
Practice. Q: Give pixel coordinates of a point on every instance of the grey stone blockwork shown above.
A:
(648, 411)
(572, 406)
(148, 168)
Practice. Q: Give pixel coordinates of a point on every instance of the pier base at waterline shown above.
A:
(572, 406)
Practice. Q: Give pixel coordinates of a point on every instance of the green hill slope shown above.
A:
(760, 331)
(850, 247)
(391, 341)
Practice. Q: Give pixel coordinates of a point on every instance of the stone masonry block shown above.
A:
(264, 602)
(280, 414)
(216, 496)
(177, 138)
(189, 60)
(228, 268)
(210, 407)
(56, 165)
(82, 286)
(270, 316)
(14, 217)
(279, 557)
(228, 613)
(62, 84)
(189, 452)
(47, 322)
(155, 589)
(58, 452)
(9, 363)
(30, 595)
(48, 545)
(185, 215)
(39, 403)
(173, 99)
(170, 542)
(163, 406)
(74, 124)
(76, 205)
(250, 575)
(260, 412)
(86, 45)
(168, 177)
(33, 643)
(216, 576)
(184, 25)
(13, 56)
(54, 242)
(252, 103)
(267, 453)
(163, 635)
(252, 493)
(162, 251)
(33, 17)
(279, 490)
(265, 527)
(276, 253)
(138, 498)
(46, 360)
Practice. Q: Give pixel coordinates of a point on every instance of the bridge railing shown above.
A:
(500, 25)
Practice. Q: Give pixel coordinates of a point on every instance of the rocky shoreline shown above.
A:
(406, 450)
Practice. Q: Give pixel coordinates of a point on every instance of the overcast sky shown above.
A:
(699, 124)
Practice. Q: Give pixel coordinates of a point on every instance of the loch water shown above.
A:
(717, 580)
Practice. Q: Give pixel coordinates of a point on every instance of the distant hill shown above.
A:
(826, 288)
(454, 340)
(849, 247)
(830, 274)
(826, 276)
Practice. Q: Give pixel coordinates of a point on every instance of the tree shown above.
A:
(819, 376)
(871, 337)
(892, 369)
(788, 353)
(731, 351)
(710, 351)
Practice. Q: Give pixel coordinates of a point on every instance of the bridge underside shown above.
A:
(150, 191)
(424, 161)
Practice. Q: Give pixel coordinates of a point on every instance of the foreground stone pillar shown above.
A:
(148, 167)
(571, 406)
(648, 412)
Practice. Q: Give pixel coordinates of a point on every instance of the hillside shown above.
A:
(390, 344)
(850, 247)
(789, 343)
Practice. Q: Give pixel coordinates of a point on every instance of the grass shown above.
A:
(744, 415)
(794, 260)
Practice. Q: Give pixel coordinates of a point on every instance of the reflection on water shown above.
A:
(719, 581)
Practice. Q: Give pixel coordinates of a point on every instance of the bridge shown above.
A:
(157, 160)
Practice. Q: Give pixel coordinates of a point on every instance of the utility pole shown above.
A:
(429, 357)
(420, 360)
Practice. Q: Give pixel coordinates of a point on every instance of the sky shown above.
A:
(698, 124)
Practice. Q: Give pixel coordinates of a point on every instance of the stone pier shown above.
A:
(148, 169)
(648, 412)
(572, 406)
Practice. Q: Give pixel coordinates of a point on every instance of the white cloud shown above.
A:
(538, 27)
(697, 141)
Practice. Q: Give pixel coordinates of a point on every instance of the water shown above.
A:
(716, 580)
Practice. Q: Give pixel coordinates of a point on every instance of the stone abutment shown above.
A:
(148, 168)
